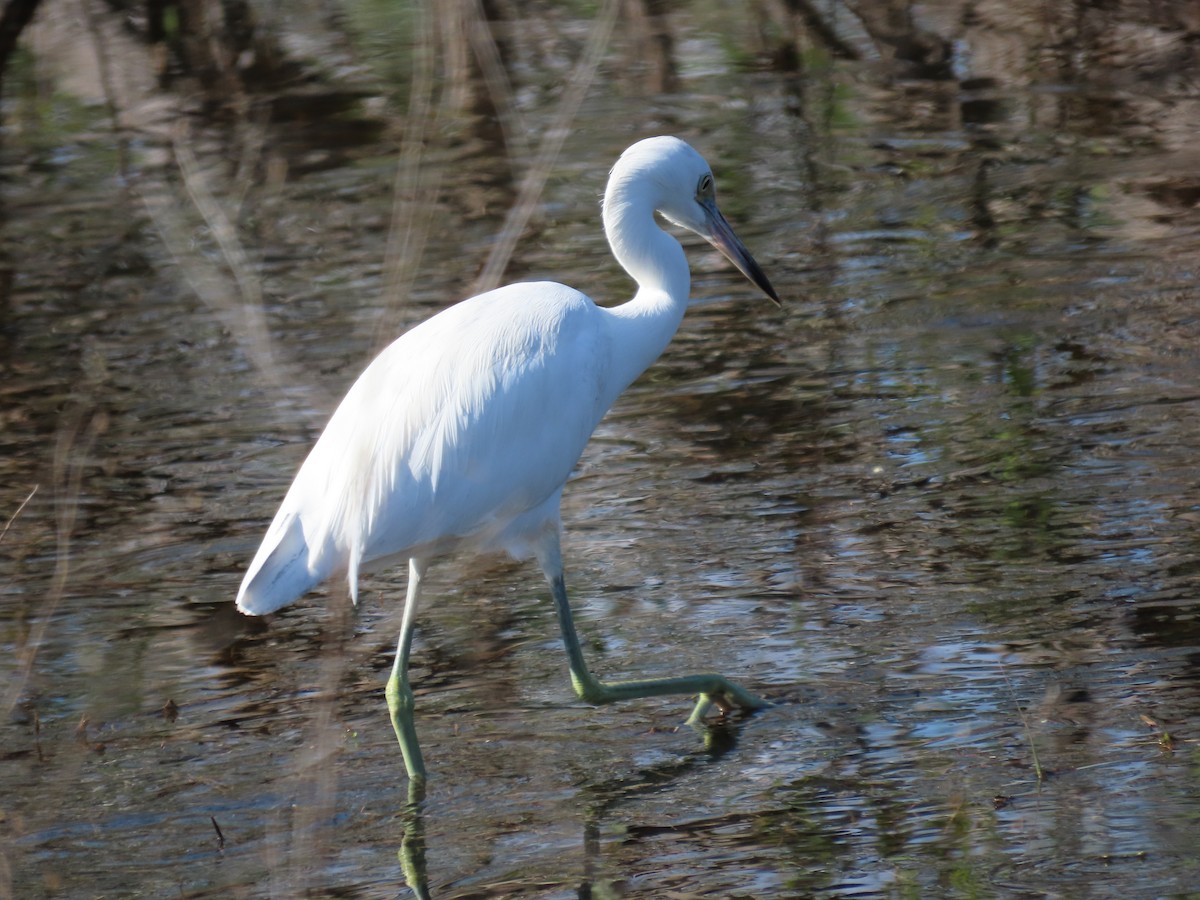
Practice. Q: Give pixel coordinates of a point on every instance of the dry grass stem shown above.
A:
(13, 517)
(535, 178)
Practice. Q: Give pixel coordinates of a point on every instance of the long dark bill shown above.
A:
(721, 236)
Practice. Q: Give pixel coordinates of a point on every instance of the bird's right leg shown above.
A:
(398, 692)
(713, 689)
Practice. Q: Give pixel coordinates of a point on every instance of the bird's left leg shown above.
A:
(398, 692)
(713, 689)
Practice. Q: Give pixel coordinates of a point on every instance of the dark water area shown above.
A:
(941, 509)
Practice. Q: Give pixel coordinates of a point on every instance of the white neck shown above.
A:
(642, 327)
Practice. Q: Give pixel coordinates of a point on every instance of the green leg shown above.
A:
(399, 694)
(412, 845)
(713, 690)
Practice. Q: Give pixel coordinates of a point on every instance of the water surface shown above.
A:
(941, 509)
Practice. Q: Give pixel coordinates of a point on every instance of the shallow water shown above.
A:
(941, 509)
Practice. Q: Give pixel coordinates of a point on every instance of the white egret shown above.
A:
(461, 434)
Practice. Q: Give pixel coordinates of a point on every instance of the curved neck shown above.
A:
(642, 327)
(652, 257)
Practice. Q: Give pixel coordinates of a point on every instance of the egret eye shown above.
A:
(704, 188)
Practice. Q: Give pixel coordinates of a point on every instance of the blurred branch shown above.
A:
(653, 45)
(16, 15)
(451, 33)
(482, 36)
(409, 227)
(13, 517)
(79, 426)
(239, 306)
(534, 181)
(104, 68)
(827, 26)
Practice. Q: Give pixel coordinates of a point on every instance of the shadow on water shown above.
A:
(942, 509)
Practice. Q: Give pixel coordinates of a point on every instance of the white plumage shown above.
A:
(432, 449)
(461, 434)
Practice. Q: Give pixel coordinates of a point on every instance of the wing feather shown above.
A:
(462, 425)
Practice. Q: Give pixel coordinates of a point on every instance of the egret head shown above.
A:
(681, 187)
